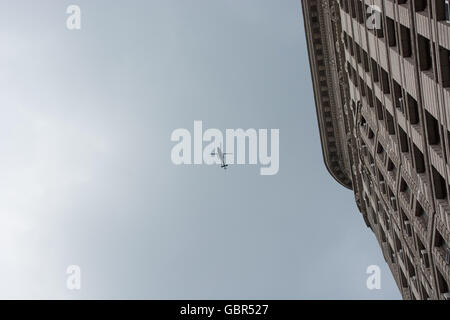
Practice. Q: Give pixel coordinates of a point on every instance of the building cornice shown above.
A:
(326, 85)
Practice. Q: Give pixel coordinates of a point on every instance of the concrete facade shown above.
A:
(381, 78)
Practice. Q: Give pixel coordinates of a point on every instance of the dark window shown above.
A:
(425, 55)
(380, 149)
(443, 10)
(403, 280)
(443, 285)
(385, 82)
(440, 187)
(358, 53)
(390, 123)
(380, 32)
(398, 97)
(390, 166)
(432, 129)
(370, 97)
(363, 87)
(365, 62)
(403, 140)
(353, 9)
(390, 25)
(375, 71)
(420, 5)
(413, 110)
(447, 10)
(445, 66)
(380, 110)
(419, 160)
(361, 14)
(406, 41)
(421, 214)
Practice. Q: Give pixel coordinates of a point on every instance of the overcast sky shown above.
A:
(86, 176)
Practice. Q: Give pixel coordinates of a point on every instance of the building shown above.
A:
(381, 79)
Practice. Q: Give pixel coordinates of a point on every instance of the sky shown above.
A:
(86, 176)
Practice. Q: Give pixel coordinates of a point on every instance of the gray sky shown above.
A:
(85, 171)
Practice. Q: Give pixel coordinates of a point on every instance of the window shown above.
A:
(419, 160)
(403, 140)
(383, 236)
(380, 150)
(443, 10)
(371, 135)
(379, 32)
(423, 216)
(390, 25)
(403, 280)
(445, 66)
(420, 5)
(370, 97)
(390, 124)
(411, 269)
(391, 253)
(432, 129)
(406, 190)
(440, 187)
(375, 71)
(362, 87)
(385, 82)
(398, 243)
(391, 166)
(406, 41)
(392, 199)
(425, 294)
(413, 110)
(344, 5)
(447, 10)
(443, 285)
(425, 55)
(440, 243)
(379, 110)
(353, 9)
(366, 62)
(361, 14)
(358, 53)
(398, 98)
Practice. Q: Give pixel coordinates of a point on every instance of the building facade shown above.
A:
(381, 79)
